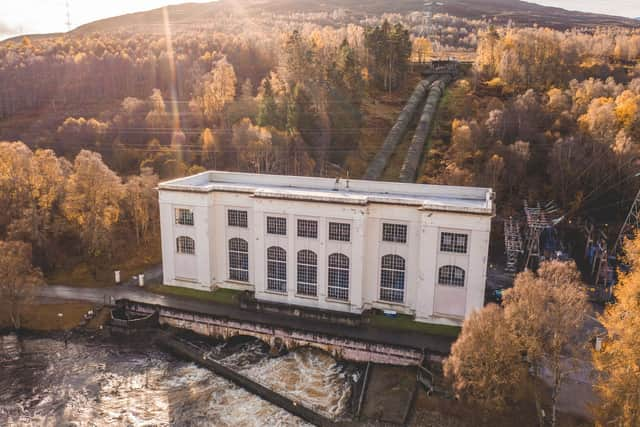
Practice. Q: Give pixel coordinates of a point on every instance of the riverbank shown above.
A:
(43, 315)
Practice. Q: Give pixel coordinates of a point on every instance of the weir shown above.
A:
(192, 353)
(340, 347)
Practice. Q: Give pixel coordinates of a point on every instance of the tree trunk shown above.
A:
(15, 316)
(556, 389)
(536, 397)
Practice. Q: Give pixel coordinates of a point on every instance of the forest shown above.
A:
(541, 115)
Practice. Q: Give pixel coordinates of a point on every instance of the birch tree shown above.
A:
(618, 364)
(545, 312)
(92, 202)
(485, 365)
(141, 202)
(18, 278)
(502, 352)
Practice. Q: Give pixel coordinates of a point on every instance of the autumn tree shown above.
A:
(421, 50)
(618, 364)
(218, 89)
(141, 203)
(31, 191)
(92, 203)
(39, 221)
(18, 278)
(254, 146)
(485, 365)
(158, 119)
(539, 327)
(210, 148)
(545, 311)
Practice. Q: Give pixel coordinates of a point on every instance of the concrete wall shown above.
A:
(423, 298)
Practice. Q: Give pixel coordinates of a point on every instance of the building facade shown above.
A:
(342, 245)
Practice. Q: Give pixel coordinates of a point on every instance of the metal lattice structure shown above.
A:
(630, 226)
(513, 244)
(539, 218)
(68, 22)
(428, 16)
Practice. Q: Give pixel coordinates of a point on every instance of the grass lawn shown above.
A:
(222, 296)
(406, 323)
(81, 275)
(44, 317)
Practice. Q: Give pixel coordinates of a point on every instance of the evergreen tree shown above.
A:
(389, 49)
(268, 109)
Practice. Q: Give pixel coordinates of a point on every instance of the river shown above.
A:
(98, 382)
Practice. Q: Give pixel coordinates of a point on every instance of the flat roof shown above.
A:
(474, 200)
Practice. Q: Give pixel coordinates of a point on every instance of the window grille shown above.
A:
(451, 275)
(453, 242)
(394, 233)
(276, 269)
(237, 218)
(277, 225)
(307, 273)
(338, 283)
(308, 228)
(184, 216)
(339, 231)
(239, 260)
(392, 278)
(185, 245)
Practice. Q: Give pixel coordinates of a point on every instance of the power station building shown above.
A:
(341, 245)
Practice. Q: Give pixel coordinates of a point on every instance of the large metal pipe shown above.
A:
(399, 129)
(414, 153)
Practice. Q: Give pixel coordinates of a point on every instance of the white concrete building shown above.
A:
(343, 245)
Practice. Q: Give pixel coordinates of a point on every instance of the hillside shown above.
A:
(500, 11)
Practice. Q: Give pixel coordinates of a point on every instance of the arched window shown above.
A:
(338, 285)
(185, 245)
(451, 275)
(307, 273)
(392, 278)
(276, 269)
(238, 260)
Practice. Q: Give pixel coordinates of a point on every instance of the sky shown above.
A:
(47, 16)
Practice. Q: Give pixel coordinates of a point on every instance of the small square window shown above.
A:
(340, 231)
(237, 218)
(185, 245)
(308, 228)
(277, 225)
(394, 233)
(453, 242)
(184, 216)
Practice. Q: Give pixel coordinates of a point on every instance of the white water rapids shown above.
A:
(104, 383)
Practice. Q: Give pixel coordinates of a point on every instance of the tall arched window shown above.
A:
(392, 278)
(239, 260)
(451, 275)
(185, 245)
(307, 273)
(338, 284)
(276, 269)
